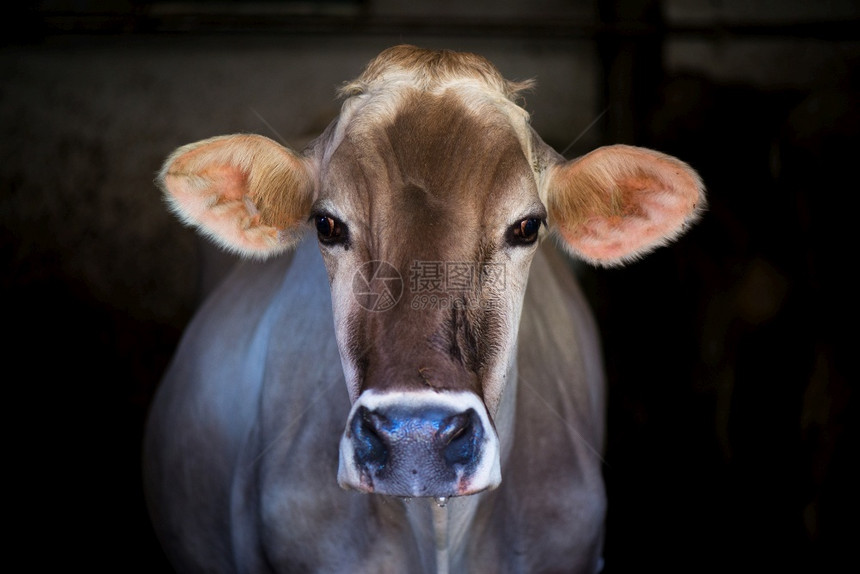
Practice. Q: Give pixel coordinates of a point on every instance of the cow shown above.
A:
(419, 388)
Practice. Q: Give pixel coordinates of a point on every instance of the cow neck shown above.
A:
(444, 523)
(440, 536)
(441, 528)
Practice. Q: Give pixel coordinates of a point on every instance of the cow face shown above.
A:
(428, 215)
(429, 195)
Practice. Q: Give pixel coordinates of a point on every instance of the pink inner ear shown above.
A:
(246, 192)
(610, 239)
(228, 183)
(643, 198)
(196, 195)
(653, 214)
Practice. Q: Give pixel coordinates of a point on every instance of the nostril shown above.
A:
(371, 450)
(453, 427)
(460, 437)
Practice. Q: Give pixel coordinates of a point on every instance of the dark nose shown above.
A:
(425, 444)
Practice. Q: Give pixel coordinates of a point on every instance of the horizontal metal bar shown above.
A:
(280, 23)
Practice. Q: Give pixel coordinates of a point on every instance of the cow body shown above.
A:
(464, 432)
(247, 423)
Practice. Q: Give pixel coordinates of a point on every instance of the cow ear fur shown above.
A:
(619, 202)
(246, 192)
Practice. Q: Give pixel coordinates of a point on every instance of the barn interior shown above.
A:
(732, 400)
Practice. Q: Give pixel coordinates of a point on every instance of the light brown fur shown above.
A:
(620, 202)
(430, 160)
(245, 191)
(429, 69)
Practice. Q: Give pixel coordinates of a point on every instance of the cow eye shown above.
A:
(329, 229)
(525, 231)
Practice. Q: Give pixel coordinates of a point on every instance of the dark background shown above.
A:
(732, 420)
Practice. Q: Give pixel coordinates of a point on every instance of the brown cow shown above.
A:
(437, 354)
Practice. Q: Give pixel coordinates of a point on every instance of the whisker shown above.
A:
(551, 409)
(271, 128)
(323, 390)
(585, 131)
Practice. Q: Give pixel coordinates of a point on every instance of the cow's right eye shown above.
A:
(329, 229)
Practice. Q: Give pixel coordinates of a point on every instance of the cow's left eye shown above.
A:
(329, 229)
(525, 232)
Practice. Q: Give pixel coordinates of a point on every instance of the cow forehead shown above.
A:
(391, 82)
(401, 71)
(387, 100)
(435, 158)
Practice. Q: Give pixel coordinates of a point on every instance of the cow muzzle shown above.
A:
(422, 443)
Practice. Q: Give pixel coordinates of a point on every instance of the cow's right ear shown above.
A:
(246, 192)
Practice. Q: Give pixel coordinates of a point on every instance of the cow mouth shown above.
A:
(417, 489)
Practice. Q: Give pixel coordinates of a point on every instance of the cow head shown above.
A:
(429, 195)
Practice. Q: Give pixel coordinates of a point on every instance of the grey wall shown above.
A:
(731, 391)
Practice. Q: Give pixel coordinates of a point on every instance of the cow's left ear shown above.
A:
(620, 202)
(248, 193)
